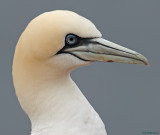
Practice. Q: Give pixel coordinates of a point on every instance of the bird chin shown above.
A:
(69, 61)
(75, 62)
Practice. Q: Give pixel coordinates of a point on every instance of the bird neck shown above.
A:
(50, 98)
(59, 106)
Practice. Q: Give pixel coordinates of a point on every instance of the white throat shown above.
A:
(62, 109)
(53, 102)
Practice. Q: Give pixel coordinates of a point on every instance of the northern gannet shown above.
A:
(52, 45)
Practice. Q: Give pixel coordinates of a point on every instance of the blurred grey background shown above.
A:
(127, 97)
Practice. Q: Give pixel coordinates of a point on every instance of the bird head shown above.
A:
(69, 40)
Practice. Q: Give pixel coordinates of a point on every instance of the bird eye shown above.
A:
(71, 39)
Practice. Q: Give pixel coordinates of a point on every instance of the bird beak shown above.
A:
(99, 49)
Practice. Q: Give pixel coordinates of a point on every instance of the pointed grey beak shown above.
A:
(99, 49)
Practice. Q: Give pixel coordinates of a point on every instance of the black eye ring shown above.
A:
(71, 39)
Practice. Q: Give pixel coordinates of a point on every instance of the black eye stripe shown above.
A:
(80, 41)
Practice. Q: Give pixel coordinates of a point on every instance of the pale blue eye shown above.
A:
(71, 39)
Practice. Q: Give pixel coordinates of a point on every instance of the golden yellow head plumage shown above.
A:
(45, 35)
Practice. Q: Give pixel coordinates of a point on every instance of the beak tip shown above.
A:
(147, 63)
(143, 59)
